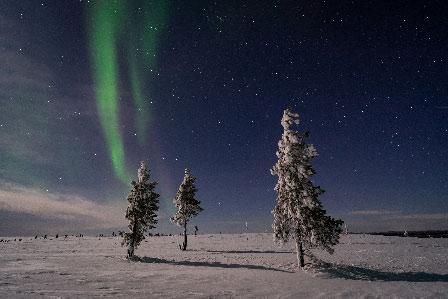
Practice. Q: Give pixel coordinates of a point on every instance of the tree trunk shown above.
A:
(184, 245)
(299, 250)
(131, 245)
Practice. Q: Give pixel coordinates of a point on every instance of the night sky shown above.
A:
(88, 89)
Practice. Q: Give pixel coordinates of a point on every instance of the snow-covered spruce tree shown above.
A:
(299, 214)
(141, 211)
(186, 203)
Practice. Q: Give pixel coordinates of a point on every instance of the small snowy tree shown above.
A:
(141, 211)
(186, 203)
(299, 214)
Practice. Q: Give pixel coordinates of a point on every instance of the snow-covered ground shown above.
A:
(222, 266)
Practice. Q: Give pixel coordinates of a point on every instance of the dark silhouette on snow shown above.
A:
(330, 270)
(207, 264)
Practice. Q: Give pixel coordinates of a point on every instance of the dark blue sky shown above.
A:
(368, 78)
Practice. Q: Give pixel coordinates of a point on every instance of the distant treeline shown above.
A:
(418, 234)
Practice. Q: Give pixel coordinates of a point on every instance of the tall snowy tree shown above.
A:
(299, 213)
(141, 211)
(186, 203)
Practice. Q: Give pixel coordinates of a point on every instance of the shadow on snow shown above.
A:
(247, 251)
(201, 264)
(358, 273)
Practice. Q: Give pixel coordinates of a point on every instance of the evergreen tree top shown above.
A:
(289, 119)
(143, 173)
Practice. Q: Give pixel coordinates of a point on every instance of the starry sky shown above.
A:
(88, 89)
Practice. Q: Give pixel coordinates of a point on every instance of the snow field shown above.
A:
(222, 266)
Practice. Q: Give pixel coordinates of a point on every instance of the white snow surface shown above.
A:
(222, 266)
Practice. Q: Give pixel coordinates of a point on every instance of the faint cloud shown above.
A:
(387, 214)
(71, 212)
(232, 222)
(436, 216)
(386, 220)
(372, 212)
(42, 118)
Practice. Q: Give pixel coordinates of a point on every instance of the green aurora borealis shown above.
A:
(139, 25)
